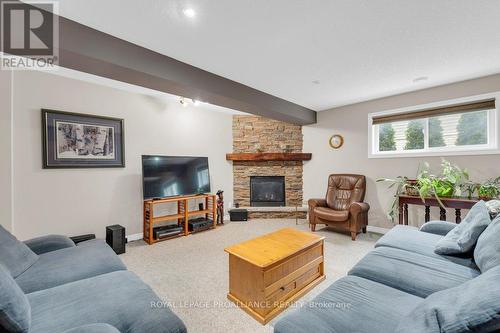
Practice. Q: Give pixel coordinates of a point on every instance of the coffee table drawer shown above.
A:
(291, 265)
(291, 288)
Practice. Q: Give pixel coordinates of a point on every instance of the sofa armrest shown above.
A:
(316, 203)
(48, 243)
(93, 328)
(438, 227)
(358, 207)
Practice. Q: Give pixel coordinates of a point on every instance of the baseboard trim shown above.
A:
(377, 230)
(134, 237)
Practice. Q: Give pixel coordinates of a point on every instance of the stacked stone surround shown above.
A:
(252, 134)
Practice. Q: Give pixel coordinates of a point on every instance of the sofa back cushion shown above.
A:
(15, 310)
(473, 306)
(344, 189)
(487, 251)
(15, 256)
(464, 236)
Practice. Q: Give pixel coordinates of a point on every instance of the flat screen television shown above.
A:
(168, 176)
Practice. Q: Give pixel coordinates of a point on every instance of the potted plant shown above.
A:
(469, 187)
(446, 184)
(490, 189)
(403, 185)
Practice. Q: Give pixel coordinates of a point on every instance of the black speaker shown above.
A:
(240, 215)
(115, 237)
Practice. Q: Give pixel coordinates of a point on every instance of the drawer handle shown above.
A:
(282, 288)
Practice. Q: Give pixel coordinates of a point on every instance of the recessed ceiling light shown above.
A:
(420, 79)
(189, 12)
(183, 101)
(316, 82)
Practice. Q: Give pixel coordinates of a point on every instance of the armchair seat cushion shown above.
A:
(351, 304)
(119, 299)
(411, 239)
(411, 272)
(329, 214)
(70, 264)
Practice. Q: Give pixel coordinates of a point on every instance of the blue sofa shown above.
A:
(51, 285)
(404, 286)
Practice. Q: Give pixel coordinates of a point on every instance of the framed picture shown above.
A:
(73, 140)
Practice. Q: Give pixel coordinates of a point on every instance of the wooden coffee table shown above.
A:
(268, 273)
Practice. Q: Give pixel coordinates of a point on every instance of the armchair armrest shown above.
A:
(438, 227)
(316, 203)
(93, 328)
(48, 243)
(358, 207)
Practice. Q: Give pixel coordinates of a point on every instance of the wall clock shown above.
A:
(336, 141)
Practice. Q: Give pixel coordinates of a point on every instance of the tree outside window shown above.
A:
(415, 135)
(472, 129)
(386, 138)
(435, 133)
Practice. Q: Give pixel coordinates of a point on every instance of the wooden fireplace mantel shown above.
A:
(259, 157)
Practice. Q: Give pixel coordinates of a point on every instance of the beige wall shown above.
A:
(351, 122)
(5, 150)
(78, 201)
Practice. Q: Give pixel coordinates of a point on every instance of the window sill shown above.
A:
(486, 151)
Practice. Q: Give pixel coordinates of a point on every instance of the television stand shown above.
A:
(182, 216)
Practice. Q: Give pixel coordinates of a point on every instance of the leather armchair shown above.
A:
(343, 208)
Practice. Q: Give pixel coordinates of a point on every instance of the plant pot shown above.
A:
(487, 192)
(412, 187)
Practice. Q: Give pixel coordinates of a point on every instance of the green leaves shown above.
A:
(446, 184)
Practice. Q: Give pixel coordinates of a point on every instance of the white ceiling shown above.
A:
(357, 49)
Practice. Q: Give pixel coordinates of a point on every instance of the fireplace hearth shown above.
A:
(267, 191)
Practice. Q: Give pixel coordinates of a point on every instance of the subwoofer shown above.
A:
(115, 237)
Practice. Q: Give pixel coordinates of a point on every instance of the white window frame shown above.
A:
(493, 146)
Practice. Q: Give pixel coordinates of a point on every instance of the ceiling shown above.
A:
(158, 96)
(316, 53)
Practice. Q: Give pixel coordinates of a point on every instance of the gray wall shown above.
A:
(66, 201)
(351, 122)
(5, 150)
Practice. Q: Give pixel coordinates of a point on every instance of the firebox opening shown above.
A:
(267, 191)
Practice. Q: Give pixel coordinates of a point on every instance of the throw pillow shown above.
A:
(487, 251)
(493, 207)
(15, 255)
(473, 306)
(15, 310)
(464, 236)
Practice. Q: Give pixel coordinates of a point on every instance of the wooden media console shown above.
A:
(182, 216)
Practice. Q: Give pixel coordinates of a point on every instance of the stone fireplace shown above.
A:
(253, 134)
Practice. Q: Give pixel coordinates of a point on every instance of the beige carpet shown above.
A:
(191, 273)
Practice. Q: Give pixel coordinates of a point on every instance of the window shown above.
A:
(452, 128)
(203, 177)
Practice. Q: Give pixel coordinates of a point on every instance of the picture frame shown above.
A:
(77, 140)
